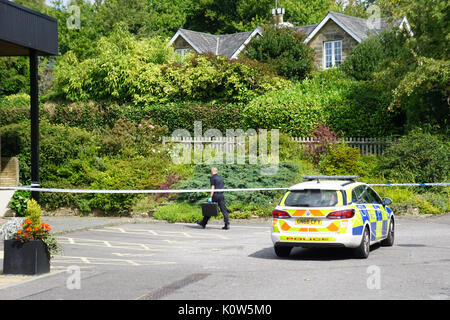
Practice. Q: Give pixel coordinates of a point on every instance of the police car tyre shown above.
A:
(389, 241)
(362, 252)
(282, 251)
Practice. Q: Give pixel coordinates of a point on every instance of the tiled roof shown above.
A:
(306, 29)
(358, 26)
(223, 45)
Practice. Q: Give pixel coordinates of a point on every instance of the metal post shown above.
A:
(34, 115)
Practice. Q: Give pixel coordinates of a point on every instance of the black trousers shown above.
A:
(220, 199)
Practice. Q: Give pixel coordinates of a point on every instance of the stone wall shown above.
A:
(331, 32)
(9, 172)
(180, 43)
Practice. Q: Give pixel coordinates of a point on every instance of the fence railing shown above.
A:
(365, 145)
(231, 144)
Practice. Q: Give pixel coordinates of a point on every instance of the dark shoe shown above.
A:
(226, 227)
(201, 224)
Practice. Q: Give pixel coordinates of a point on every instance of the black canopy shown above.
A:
(25, 32)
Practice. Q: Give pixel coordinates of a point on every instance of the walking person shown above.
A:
(216, 182)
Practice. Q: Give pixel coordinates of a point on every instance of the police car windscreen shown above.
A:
(311, 198)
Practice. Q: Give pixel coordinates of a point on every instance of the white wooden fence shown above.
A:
(231, 144)
(365, 145)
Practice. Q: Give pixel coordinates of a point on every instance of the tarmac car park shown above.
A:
(332, 211)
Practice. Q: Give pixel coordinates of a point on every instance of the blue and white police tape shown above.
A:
(201, 190)
(135, 191)
(409, 184)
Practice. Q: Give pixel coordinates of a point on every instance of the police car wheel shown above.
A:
(362, 252)
(389, 241)
(282, 251)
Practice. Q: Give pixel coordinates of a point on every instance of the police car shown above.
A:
(332, 211)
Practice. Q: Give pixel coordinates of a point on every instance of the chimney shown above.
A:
(278, 14)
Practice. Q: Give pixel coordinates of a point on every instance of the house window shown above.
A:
(182, 52)
(332, 53)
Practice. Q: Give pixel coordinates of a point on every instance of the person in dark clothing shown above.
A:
(216, 182)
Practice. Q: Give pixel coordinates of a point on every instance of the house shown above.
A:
(333, 38)
(228, 45)
(337, 34)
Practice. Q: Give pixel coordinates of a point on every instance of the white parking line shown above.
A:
(107, 261)
(162, 233)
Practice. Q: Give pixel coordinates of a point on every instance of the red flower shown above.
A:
(36, 228)
(28, 221)
(19, 231)
(29, 229)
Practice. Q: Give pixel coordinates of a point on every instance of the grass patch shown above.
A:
(179, 212)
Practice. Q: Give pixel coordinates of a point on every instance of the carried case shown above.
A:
(210, 209)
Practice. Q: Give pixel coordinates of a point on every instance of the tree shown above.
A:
(14, 75)
(425, 94)
(376, 53)
(227, 16)
(307, 11)
(284, 50)
(430, 23)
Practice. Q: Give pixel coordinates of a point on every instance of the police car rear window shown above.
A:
(311, 198)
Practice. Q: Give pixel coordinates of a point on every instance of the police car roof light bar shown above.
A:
(311, 178)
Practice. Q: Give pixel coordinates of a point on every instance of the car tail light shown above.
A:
(280, 214)
(341, 214)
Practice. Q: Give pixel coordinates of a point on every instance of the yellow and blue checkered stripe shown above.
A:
(376, 216)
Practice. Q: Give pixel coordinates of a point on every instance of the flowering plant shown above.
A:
(34, 229)
(30, 231)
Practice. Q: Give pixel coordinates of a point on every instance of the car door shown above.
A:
(364, 202)
(382, 217)
(359, 201)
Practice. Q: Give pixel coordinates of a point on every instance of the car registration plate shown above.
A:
(308, 221)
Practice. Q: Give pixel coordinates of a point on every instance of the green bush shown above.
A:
(241, 176)
(406, 200)
(14, 75)
(374, 53)
(282, 49)
(294, 111)
(126, 70)
(14, 108)
(58, 143)
(342, 160)
(417, 157)
(19, 202)
(353, 108)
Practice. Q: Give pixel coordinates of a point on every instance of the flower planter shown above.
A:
(30, 258)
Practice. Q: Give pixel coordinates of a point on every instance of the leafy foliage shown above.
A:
(284, 50)
(376, 53)
(241, 176)
(342, 160)
(146, 72)
(325, 139)
(417, 157)
(9, 228)
(424, 94)
(14, 75)
(19, 202)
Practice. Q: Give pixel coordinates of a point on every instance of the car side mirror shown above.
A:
(386, 201)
